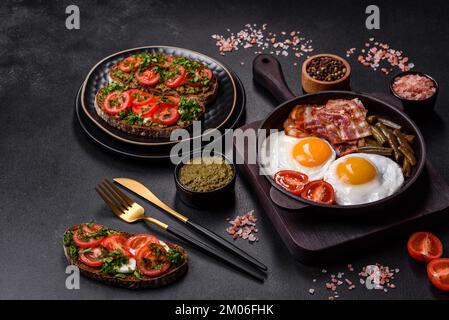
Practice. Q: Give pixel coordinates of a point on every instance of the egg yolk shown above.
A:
(356, 170)
(311, 152)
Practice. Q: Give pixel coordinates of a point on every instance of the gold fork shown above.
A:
(130, 211)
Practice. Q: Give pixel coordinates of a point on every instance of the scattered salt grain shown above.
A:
(253, 36)
(376, 53)
(244, 227)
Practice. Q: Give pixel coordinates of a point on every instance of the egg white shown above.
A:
(388, 179)
(276, 155)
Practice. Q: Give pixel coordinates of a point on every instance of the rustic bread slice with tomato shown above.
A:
(168, 75)
(145, 114)
(120, 259)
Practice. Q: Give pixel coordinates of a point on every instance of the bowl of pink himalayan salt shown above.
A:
(416, 90)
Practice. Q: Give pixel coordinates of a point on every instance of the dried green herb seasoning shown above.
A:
(205, 174)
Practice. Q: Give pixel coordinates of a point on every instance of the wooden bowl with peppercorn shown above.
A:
(324, 72)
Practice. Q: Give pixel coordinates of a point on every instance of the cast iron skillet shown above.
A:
(268, 73)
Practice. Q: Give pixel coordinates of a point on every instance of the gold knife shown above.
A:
(139, 189)
(144, 192)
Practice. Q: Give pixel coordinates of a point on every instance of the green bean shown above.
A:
(376, 150)
(392, 141)
(402, 141)
(410, 156)
(382, 128)
(406, 167)
(371, 119)
(371, 142)
(410, 138)
(378, 135)
(390, 123)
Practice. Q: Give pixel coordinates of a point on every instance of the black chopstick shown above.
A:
(226, 244)
(211, 252)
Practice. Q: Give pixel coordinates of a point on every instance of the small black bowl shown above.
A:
(204, 199)
(416, 107)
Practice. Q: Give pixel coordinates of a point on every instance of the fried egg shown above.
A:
(361, 178)
(310, 155)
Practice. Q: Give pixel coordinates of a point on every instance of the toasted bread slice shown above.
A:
(143, 130)
(205, 95)
(131, 281)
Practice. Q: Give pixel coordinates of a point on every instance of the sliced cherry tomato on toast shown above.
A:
(438, 273)
(167, 63)
(82, 239)
(152, 261)
(116, 242)
(133, 94)
(178, 78)
(138, 241)
(169, 102)
(92, 258)
(319, 191)
(166, 116)
(116, 102)
(141, 98)
(146, 111)
(424, 246)
(199, 77)
(130, 64)
(292, 181)
(148, 77)
(90, 228)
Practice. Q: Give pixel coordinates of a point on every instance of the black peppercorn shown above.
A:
(326, 69)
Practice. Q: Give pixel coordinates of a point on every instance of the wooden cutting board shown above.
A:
(314, 237)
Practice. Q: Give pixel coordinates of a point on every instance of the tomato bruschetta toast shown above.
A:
(143, 113)
(169, 75)
(120, 259)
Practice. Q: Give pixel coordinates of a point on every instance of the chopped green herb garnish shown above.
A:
(174, 256)
(131, 118)
(189, 110)
(72, 249)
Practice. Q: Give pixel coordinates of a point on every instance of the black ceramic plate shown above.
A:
(162, 152)
(216, 116)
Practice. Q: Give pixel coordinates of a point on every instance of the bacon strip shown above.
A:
(341, 122)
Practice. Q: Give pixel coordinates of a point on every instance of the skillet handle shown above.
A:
(267, 72)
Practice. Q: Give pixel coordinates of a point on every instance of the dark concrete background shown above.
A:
(49, 168)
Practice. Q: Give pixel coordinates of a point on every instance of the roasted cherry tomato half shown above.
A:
(424, 246)
(199, 77)
(292, 181)
(130, 64)
(116, 242)
(169, 102)
(178, 78)
(82, 237)
(148, 77)
(116, 102)
(152, 261)
(166, 116)
(138, 241)
(319, 191)
(93, 258)
(438, 273)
